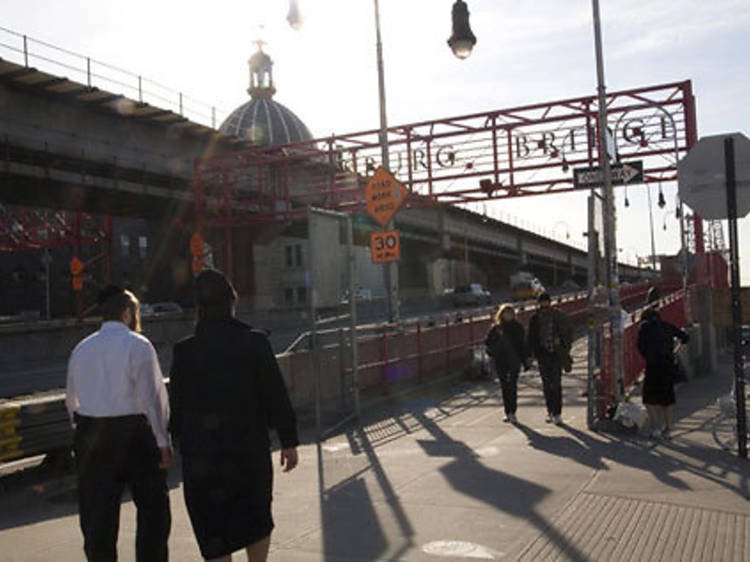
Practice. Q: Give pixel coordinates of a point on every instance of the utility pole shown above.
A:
(390, 270)
(610, 237)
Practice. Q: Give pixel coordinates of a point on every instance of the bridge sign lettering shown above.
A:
(384, 195)
(623, 173)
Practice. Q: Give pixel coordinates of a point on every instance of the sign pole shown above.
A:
(610, 237)
(591, 398)
(390, 271)
(739, 375)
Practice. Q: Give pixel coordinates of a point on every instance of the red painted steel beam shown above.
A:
(516, 152)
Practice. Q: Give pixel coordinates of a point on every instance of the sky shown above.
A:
(526, 52)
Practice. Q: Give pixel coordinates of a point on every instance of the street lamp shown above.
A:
(294, 17)
(462, 40)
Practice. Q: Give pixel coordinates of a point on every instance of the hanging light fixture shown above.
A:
(627, 202)
(294, 17)
(462, 40)
(662, 202)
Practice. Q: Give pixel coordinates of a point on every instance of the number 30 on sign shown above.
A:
(385, 246)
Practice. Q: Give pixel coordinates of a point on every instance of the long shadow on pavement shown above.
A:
(467, 475)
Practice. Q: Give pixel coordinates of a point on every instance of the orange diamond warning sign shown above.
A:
(384, 195)
(384, 246)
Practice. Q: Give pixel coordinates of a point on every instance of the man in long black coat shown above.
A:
(226, 391)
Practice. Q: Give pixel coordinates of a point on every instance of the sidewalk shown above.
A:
(440, 476)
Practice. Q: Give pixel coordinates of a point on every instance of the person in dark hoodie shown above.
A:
(656, 344)
(506, 345)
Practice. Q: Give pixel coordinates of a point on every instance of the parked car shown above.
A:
(570, 286)
(360, 294)
(472, 294)
(149, 309)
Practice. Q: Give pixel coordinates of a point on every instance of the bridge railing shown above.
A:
(34, 53)
(412, 353)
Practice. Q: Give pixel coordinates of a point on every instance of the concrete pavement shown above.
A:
(438, 475)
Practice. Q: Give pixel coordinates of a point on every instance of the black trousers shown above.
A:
(111, 454)
(551, 372)
(508, 376)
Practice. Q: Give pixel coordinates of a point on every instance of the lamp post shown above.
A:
(567, 228)
(462, 41)
(610, 236)
(651, 225)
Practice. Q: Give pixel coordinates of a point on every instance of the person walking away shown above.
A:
(549, 340)
(506, 344)
(226, 391)
(119, 407)
(656, 345)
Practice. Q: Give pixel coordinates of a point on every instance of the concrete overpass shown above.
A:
(69, 146)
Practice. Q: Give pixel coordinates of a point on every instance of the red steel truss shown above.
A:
(29, 229)
(26, 229)
(517, 152)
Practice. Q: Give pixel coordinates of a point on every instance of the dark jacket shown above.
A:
(226, 391)
(506, 344)
(656, 342)
(562, 335)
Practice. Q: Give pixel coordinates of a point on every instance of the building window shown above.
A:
(142, 246)
(288, 254)
(301, 295)
(125, 245)
(289, 296)
(298, 255)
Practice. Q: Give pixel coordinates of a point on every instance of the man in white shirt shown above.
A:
(119, 406)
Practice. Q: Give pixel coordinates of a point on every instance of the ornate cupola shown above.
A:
(261, 74)
(263, 120)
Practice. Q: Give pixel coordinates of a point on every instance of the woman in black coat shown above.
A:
(656, 344)
(505, 343)
(226, 391)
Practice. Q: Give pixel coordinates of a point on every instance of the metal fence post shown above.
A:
(419, 352)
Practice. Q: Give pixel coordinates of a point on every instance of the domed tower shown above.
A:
(262, 120)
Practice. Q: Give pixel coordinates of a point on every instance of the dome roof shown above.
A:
(266, 122)
(262, 120)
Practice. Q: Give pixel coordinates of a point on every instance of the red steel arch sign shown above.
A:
(516, 152)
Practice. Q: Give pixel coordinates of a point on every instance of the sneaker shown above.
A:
(507, 418)
(558, 420)
(550, 418)
(512, 418)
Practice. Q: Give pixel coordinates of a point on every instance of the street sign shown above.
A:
(623, 173)
(76, 266)
(384, 195)
(197, 244)
(385, 246)
(701, 177)
(197, 265)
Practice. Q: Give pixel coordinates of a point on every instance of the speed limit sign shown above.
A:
(385, 246)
